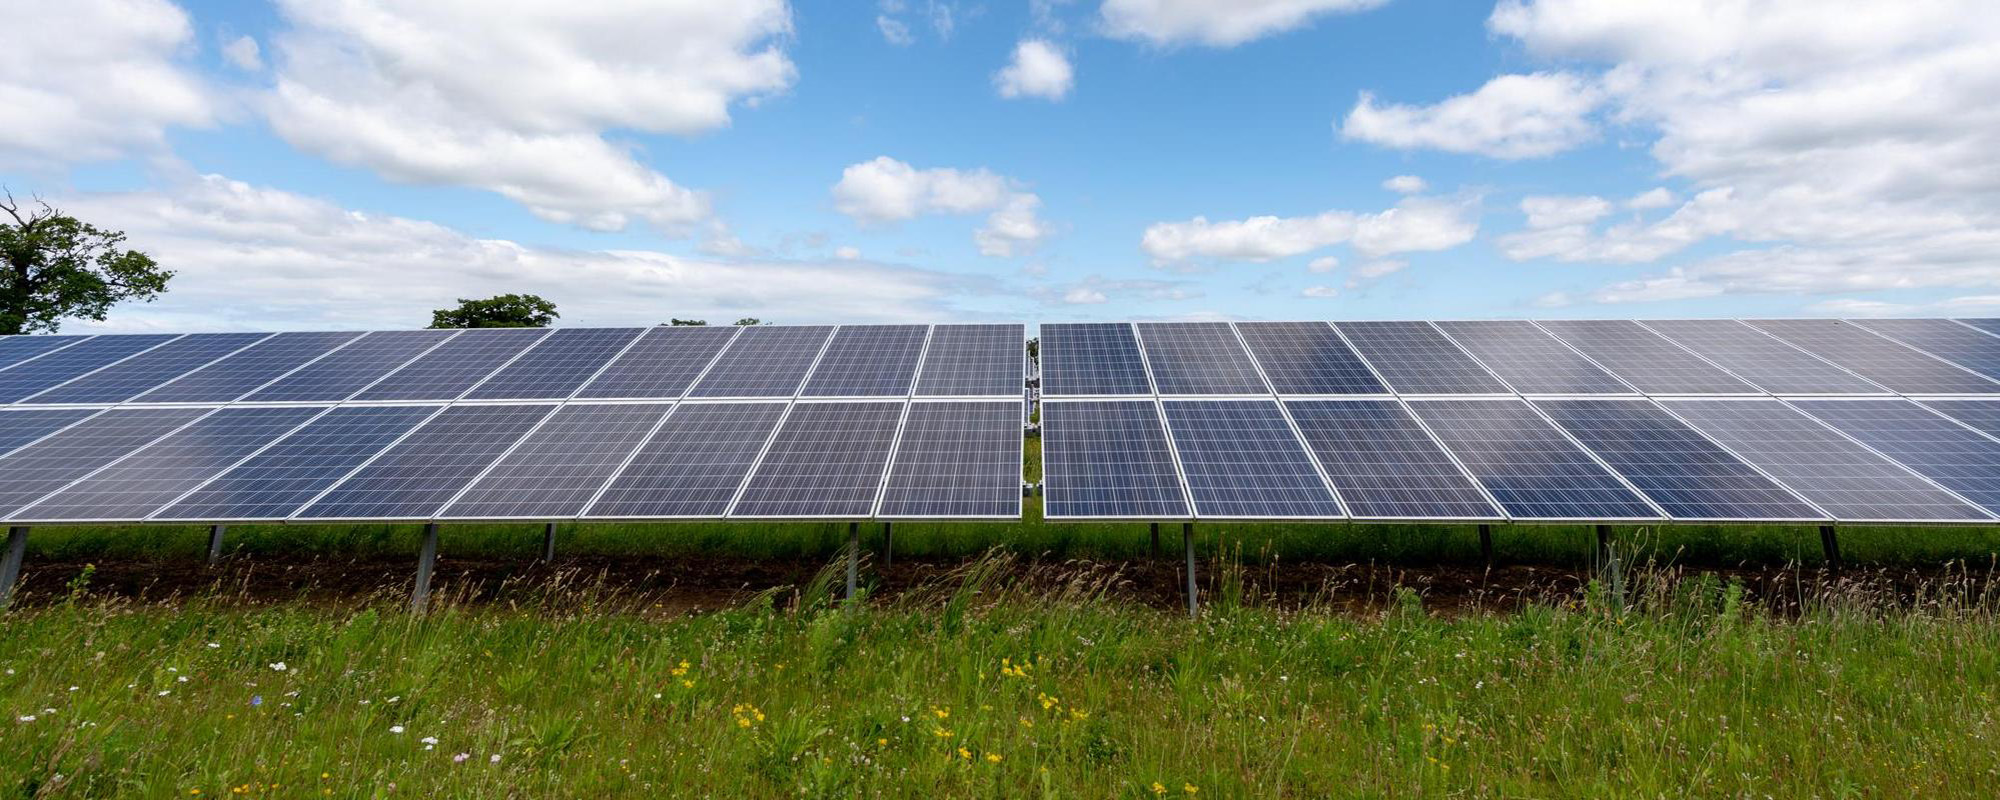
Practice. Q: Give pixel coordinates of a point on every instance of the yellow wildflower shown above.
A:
(1158, 789)
(992, 758)
(1189, 788)
(965, 754)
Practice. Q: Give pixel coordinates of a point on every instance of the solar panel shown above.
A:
(1416, 359)
(448, 370)
(957, 459)
(1644, 359)
(693, 465)
(1242, 460)
(1772, 365)
(826, 461)
(1844, 478)
(1383, 463)
(156, 474)
(1966, 347)
(1875, 358)
(1107, 458)
(146, 370)
(1944, 451)
(414, 478)
(662, 364)
(29, 377)
(764, 361)
(555, 366)
(248, 369)
(1531, 360)
(276, 482)
(1680, 470)
(969, 360)
(23, 425)
(1198, 358)
(352, 368)
(33, 471)
(1091, 358)
(557, 470)
(868, 361)
(1308, 358)
(1528, 465)
(1991, 326)
(1981, 414)
(18, 348)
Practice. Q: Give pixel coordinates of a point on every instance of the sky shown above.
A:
(357, 163)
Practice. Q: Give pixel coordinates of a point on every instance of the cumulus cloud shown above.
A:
(243, 53)
(1413, 225)
(885, 190)
(1319, 291)
(89, 80)
(1215, 23)
(1097, 289)
(1323, 264)
(1405, 184)
(1039, 69)
(1511, 117)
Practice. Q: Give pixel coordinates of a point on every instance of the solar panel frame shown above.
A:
(1687, 475)
(1122, 432)
(1646, 360)
(1213, 439)
(1198, 358)
(352, 369)
(1372, 450)
(136, 374)
(1954, 456)
(275, 482)
(1530, 360)
(562, 465)
(662, 364)
(55, 461)
(53, 369)
(693, 464)
(869, 361)
(454, 367)
(825, 461)
(1763, 361)
(1092, 359)
(245, 371)
(765, 361)
(20, 348)
(975, 360)
(1988, 325)
(1901, 369)
(1415, 358)
(955, 459)
(1505, 442)
(1963, 345)
(1308, 358)
(416, 476)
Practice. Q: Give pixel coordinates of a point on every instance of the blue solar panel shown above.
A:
(36, 470)
(1644, 358)
(414, 478)
(274, 483)
(19, 348)
(1308, 358)
(957, 459)
(134, 375)
(868, 361)
(29, 377)
(693, 465)
(1944, 451)
(20, 426)
(764, 361)
(1991, 326)
(1242, 460)
(1772, 365)
(556, 365)
(1107, 458)
(1384, 464)
(352, 368)
(156, 474)
(1092, 358)
(968, 360)
(557, 470)
(250, 368)
(662, 364)
(451, 368)
(1836, 474)
(1531, 360)
(1679, 469)
(1528, 465)
(826, 461)
(1876, 358)
(1981, 414)
(1198, 358)
(1969, 348)
(1416, 359)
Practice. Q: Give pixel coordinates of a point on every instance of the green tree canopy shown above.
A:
(498, 311)
(678, 321)
(58, 267)
(749, 321)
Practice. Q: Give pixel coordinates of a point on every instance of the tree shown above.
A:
(749, 321)
(678, 322)
(1035, 348)
(58, 267)
(498, 311)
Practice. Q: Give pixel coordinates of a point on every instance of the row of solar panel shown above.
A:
(1594, 459)
(515, 364)
(1591, 357)
(608, 460)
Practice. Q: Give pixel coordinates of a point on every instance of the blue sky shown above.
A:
(354, 163)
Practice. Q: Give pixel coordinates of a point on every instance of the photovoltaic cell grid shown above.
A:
(1678, 469)
(249, 368)
(1308, 358)
(29, 377)
(1772, 365)
(970, 360)
(350, 369)
(448, 370)
(146, 370)
(826, 461)
(764, 361)
(276, 482)
(157, 474)
(1107, 458)
(693, 465)
(1981, 414)
(1081, 358)
(1384, 465)
(1973, 349)
(868, 361)
(1991, 326)
(1531, 360)
(557, 470)
(18, 427)
(1956, 457)
(31, 472)
(556, 365)
(662, 364)
(957, 459)
(1198, 358)
(1876, 358)
(18, 348)
(415, 478)
(1527, 464)
(1644, 359)
(1242, 460)
(1416, 359)
(1844, 478)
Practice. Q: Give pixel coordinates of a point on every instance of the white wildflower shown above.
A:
(395, 729)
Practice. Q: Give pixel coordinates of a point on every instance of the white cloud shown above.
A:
(1512, 116)
(1216, 23)
(1379, 268)
(1039, 69)
(1553, 211)
(1559, 228)
(89, 80)
(1857, 307)
(1656, 197)
(243, 53)
(894, 30)
(1323, 264)
(719, 240)
(886, 190)
(1319, 291)
(1083, 295)
(1013, 230)
(1415, 224)
(1098, 289)
(1405, 184)
(847, 253)
(515, 98)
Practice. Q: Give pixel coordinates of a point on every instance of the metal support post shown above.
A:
(549, 543)
(1603, 545)
(1830, 543)
(10, 562)
(888, 543)
(853, 558)
(215, 544)
(1486, 544)
(420, 597)
(1155, 552)
(1187, 544)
